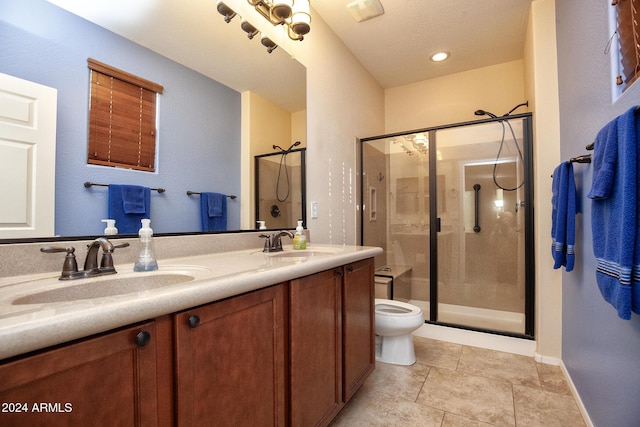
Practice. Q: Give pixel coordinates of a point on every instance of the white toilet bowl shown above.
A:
(395, 321)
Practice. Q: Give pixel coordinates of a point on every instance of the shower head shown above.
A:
(484, 113)
(277, 147)
(295, 144)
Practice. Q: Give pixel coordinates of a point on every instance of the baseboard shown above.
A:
(576, 396)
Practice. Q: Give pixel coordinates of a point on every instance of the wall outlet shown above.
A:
(314, 210)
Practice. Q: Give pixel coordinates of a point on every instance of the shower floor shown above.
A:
(494, 320)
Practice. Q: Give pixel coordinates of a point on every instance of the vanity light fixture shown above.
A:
(268, 43)
(225, 11)
(246, 26)
(440, 56)
(249, 29)
(294, 14)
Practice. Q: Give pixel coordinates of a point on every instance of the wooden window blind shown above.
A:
(628, 40)
(122, 119)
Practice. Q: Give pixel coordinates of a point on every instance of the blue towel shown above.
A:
(213, 211)
(128, 205)
(563, 221)
(614, 190)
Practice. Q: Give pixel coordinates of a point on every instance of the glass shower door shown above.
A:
(481, 243)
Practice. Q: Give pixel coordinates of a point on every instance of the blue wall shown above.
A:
(199, 119)
(600, 350)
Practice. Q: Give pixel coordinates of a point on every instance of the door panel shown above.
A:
(27, 158)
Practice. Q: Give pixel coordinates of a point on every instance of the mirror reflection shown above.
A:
(280, 188)
(200, 123)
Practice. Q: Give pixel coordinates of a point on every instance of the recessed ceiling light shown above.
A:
(439, 56)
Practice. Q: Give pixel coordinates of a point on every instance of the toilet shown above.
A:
(394, 323)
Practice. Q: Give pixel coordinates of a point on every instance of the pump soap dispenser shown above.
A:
(111, 229)
(299, 240)
(146, 261)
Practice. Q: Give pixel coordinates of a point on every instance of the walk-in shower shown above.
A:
(452, 208)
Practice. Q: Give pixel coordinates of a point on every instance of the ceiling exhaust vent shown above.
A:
(361, 10)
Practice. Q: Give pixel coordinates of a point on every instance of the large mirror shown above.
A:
(216, 81)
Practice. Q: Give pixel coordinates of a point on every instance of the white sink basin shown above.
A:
(105, 286)
(298, 255)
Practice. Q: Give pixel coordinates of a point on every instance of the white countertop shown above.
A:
(29, 327)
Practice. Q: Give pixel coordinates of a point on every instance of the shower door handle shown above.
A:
(476, 227)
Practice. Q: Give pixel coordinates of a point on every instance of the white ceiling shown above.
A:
(395, 47)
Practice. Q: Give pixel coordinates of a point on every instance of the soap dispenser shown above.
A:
(111, 227)
(299, 239)
(146, 260)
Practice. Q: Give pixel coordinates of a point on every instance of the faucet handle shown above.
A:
(70, 265)
(107, 259)
(267, 242)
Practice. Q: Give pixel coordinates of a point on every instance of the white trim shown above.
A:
(576, 396)
(513, 345)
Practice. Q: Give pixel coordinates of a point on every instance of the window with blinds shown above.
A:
(122, 119)
(628, 40)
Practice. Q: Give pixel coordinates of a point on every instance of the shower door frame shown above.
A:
(434, 220)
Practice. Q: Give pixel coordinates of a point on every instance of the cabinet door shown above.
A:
(358, 325)
(230, 361)
(316, 348)
(105, 380)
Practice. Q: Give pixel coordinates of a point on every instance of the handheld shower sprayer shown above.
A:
(288, 150)
(283, 161)
(487, 113)
(484, 113)
(502, 143)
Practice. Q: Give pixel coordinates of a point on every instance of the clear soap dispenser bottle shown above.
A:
(146, 260)
(299, 239)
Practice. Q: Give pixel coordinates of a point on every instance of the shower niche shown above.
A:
(280, 188)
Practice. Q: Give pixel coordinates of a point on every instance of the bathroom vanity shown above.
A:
(253, 339)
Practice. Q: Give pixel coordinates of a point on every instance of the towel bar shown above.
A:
(189, 193)
(88, 184)
(581, 159)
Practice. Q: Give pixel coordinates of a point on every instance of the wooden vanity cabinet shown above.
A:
(110, 379)
(315, 366)
(358, 331)
(230, 361)
(289, 354)
(331, 340)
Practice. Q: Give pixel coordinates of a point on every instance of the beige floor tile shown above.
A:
(452, 420)
(539, 408)
(371, 409)
(437, 353)
(552, 379)
(403, 382)
(479, 398)
(514, 368)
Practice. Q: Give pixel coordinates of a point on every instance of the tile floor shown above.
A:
(453, 385)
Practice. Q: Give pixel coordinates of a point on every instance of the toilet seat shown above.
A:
(387, 307)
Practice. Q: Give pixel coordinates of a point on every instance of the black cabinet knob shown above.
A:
(194, 321)
(143, 338)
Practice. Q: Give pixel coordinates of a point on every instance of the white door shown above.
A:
(27, 158)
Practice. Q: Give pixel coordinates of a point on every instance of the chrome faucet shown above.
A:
(273, 242)
(70, 266)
